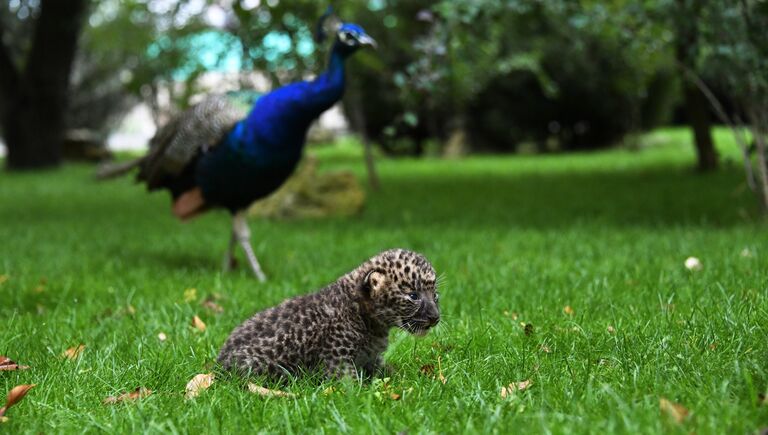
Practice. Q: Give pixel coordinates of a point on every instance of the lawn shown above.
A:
(516, 238)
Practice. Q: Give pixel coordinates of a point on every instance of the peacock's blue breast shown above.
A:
(234, 178)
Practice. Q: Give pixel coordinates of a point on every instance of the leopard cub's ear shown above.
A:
(374, 282)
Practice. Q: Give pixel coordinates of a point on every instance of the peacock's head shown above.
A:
(353, 36)
(349, 37)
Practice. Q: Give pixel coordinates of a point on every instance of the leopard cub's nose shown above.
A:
(433, 320)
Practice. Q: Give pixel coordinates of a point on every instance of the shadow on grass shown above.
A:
(441, 197)
(649, 198)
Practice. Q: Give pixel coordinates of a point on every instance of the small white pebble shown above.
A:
(161, 336)
(693, 263)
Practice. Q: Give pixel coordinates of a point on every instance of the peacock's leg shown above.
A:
(229, 259)
(243, 235)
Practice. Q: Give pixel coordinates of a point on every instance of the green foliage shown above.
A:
(605, 233)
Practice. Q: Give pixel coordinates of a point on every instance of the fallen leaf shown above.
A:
(528, 329)
(713, 346)
(162, 337)
(212, 306)
(512, 315)
(266, 392)
(515, 387)
(440, 371)
(138, 393)
(568, 310)
(544, 348)
(675, 411)
(394, 396)
(6, 364)
(198, 324)
(14, 396)
(611, 329)
(427, 369)
(198, 383)
(693, 263)
(73, 352)
(190, 295)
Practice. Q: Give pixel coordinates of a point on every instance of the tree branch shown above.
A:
(725, 119)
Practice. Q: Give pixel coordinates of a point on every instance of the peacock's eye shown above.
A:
(346, 36)
(414, 296)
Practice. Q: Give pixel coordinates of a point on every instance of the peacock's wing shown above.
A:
(176, 144)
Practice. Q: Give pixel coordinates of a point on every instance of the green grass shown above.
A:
(605, 233)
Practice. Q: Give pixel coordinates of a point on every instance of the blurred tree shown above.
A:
(686, 20)
(34, 92)
(736, 42)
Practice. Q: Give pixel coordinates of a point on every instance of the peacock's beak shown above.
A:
(366, 40)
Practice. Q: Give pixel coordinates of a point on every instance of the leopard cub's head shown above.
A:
(400, 286)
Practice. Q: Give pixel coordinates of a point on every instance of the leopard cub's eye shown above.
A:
(414, 296)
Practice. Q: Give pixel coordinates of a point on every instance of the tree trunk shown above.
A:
(697, 111)
(33, 121)
(686, 27)
(33, 131)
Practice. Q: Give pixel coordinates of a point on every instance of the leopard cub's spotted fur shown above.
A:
(343, 328)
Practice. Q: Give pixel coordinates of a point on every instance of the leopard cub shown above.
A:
(342, 329)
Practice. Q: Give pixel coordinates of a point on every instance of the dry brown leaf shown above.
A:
(198, 324)
(512, 315)
(6, 364)
(138, 393)
(394, 396)
(675, 411)
(266, 392)
(440, 371)
(528, 329)
(713, 346)
(73, 352)
(197, 384)
(427, 369)
(14, 396)
(212, 306)
(515, 387)
(568, 310)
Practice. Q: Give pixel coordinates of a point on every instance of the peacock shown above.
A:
(219, 154)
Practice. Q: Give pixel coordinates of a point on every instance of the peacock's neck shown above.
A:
(277, 125)
(330, 84)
